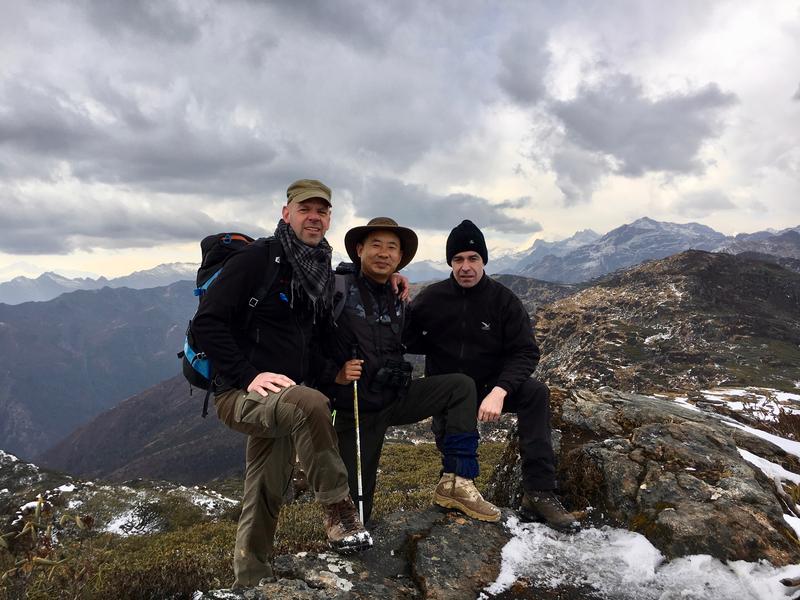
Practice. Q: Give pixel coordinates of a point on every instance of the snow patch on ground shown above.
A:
(684, 401)
(787, 397)
(128, 523)
(654, 338)
(789, 446)
(676, 291)
(620, 564)
(765, 404)
(12, 458)
(793, 522)
(209, 500)
(770, 469)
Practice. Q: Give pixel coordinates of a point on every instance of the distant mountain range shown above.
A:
(50, 285)
(66, 360)
(569, 261)
(690, 321)
(581, 257)
(157, 434)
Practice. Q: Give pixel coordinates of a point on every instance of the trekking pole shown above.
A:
(358, 444)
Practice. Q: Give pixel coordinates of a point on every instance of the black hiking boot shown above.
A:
(346, 533)
(542, 506)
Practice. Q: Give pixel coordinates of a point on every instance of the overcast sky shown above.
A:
(129, 130)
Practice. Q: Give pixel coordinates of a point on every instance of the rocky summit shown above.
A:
(428, 554)
(682, 477)
(692, 320)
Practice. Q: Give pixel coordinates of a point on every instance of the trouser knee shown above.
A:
(315, 415)
(534, 396)
(464, 389)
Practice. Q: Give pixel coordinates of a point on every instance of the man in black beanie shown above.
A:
(472, 324)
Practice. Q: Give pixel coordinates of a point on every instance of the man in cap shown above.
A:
(472, 324)
(365, 345)
(260, 354)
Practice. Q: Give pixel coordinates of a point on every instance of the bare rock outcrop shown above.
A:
(429, 554)
(672, 473)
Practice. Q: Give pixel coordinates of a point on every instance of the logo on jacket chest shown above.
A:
(486, 326)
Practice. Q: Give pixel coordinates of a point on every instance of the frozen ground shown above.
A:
(621, 565)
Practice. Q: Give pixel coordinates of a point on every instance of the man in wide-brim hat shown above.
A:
(364, 345)
(406, 238)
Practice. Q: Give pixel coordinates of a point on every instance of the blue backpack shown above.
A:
(216, 249)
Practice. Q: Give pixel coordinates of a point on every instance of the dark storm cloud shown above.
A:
(363, 25)
(615, 118)
(162, 152)
(71, 224)
(522, 202)
(155, 19)
(414, 206)
(578, 172)
(41, 120)
(523, 62)
(702, 204)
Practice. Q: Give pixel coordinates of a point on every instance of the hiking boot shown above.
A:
(346, 534)
(543, 506)
(460, 493)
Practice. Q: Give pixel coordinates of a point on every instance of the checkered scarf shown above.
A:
(312, 281)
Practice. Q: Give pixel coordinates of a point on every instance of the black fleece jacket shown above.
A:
(278, 337)
(377, 337)
(482, 331)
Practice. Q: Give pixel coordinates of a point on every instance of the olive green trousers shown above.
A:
(293, 422)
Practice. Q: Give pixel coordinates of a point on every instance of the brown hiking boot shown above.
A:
(346, 534)
(543, 506)
(459, 493)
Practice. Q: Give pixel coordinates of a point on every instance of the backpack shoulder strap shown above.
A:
(341, 285)
(274, 255)
(274, 252)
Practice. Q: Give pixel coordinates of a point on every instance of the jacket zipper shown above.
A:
(463, 329)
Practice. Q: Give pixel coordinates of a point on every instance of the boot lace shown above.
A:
(345, 513)
(469, 488)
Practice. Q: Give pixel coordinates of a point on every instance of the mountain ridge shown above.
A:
(589, 336)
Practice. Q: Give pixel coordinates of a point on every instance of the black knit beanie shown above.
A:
(466, 236)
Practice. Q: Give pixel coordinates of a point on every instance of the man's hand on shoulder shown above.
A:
(400, 286)
(269, 382)
(350, 372)
(492, 406)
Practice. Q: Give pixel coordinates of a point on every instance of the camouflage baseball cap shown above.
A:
(305, 189)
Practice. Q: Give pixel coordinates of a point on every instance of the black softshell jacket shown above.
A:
(482, 331)
(376, 342)
(278, 337)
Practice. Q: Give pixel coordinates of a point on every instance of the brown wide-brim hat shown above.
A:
(408, 239)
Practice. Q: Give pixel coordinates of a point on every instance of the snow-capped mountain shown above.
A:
(50, 285)
(785, 243)
(631, 244)
(426, 270)
(515, 263)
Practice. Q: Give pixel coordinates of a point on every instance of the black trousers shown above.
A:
(450, 396)
(531, 403)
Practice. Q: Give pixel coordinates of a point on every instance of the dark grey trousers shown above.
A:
(452, 396)
(531, 403)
